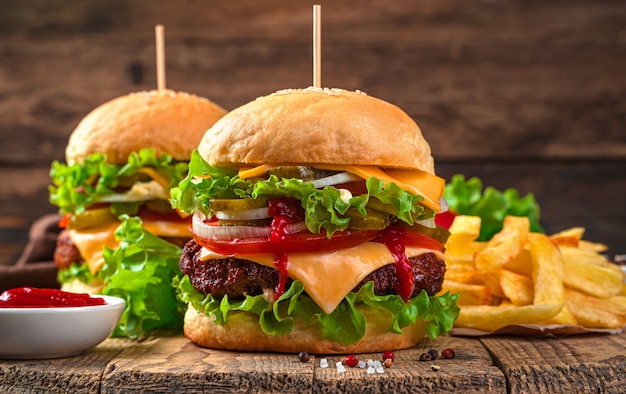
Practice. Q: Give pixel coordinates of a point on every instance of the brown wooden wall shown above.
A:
(525, 94)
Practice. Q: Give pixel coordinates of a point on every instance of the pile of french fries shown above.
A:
(520, 278)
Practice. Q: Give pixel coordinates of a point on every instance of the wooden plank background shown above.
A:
(525, 94)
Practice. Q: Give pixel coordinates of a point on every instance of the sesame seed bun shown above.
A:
(317, 126)
(171, 122)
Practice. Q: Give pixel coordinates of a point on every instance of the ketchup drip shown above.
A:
(31, 297)
(392, 238)
(283, 211)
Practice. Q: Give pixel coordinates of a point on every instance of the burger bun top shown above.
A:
(317, 126)
(171, 122)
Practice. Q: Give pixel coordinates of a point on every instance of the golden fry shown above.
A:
(517, 288)
(591, 312)
(592, 246)
(461, 244)
(470, 294)
(548, 276)
(570, 237)
(502, 248)
(491, 318)
(521, 264)
(591, 273)
(468, 277)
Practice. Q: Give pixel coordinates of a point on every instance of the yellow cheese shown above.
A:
(90, 242)
(320, 271)
(414, 181)
(168, 229)
(154, 174)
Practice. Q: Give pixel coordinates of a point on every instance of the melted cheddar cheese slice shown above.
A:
(417, 182)
(329, 276)
(90, 242)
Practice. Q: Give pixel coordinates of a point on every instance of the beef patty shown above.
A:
(237, 278)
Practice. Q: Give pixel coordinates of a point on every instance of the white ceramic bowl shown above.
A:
(35, 333)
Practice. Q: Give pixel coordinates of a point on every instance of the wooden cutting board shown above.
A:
(587, 363)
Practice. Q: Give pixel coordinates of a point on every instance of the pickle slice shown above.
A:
(91, 218)
(237, 204)
(375, 220)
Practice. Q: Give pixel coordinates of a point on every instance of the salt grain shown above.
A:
(340, 367)
(371, 370)
(362, 364)
(323, 363)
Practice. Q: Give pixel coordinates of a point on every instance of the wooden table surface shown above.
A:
(503, 364)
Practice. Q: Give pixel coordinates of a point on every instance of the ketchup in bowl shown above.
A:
(32, 297)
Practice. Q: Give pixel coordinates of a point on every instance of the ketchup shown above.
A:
(392, 237)
(283, 212)
(32, 297)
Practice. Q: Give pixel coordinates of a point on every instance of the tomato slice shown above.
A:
(290, 243)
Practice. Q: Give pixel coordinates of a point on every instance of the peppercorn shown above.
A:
(429, 356)
(351, 361)
(303, 357)
(448, 353)
(388, 363)
(389, 356)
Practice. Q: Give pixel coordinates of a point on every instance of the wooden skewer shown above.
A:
(317, 46)
(160, 57)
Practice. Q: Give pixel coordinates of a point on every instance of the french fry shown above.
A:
(491, 318)
(517, 288)
(521, 264)
(470, 294)
(591, 312)
(617, 304)
(592, 246)
(461, 244)
(548, 276)
(468, 277)
(570, 237)
(591, 273)
(502, 248)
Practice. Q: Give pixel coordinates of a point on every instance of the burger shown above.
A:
(121, 160)
(313, 228)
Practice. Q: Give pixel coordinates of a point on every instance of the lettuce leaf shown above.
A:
(345, 325)
(141, 271)
(323, 208)
(466, 197)
(80, 185)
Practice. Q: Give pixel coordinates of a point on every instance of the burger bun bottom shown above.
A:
(242, 332)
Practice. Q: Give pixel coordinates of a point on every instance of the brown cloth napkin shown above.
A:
(35, 267)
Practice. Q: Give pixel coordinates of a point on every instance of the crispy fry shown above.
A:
(517, 288)
(592, 246)
(591, 273)
(461, 244)
(617, 304)
(468, 277)
(470, 294)
(548, 276)
(591, 311)
(502, 248)
(521, 264)
(570, 237)
(490, 318)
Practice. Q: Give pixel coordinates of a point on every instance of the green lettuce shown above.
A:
(466, 197)
(79, 185)
(345, 325)
(324, 209)
(141, 271)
